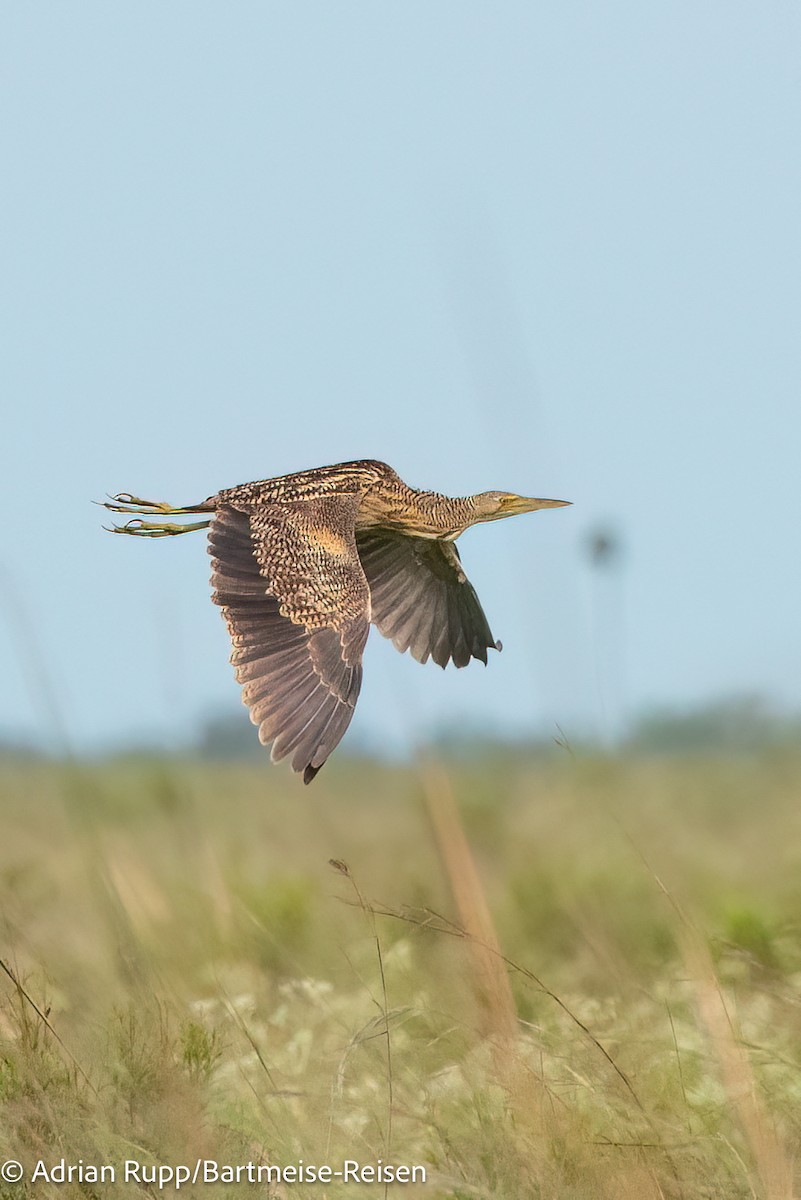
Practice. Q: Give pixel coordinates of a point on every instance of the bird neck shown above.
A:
(415, 513)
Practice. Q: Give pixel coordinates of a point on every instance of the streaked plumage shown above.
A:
(303, 564)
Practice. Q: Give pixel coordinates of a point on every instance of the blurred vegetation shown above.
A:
(187, 976)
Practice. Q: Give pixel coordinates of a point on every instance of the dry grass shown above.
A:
(189, 977)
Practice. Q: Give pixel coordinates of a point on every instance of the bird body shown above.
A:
(385, 501)
(303, 564)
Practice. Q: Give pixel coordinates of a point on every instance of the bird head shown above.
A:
(491, 506)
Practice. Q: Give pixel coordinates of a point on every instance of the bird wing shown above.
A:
(297, 606)
(421, 598)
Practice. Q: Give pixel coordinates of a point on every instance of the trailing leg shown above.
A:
(140, 528)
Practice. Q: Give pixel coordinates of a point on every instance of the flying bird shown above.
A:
(302, 565)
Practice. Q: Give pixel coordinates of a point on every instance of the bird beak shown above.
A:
(511, 505)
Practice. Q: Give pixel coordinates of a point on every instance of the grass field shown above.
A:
(187, 977)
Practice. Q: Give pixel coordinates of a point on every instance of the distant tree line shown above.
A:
(740, 724)
(735, 725)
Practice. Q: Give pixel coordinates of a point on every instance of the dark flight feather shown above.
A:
(422, 600)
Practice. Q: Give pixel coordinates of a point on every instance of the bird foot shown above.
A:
(124, 502)
(140, 528)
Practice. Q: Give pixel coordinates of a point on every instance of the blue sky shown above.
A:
(546, 248)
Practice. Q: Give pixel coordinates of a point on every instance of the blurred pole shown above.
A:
(605, 558)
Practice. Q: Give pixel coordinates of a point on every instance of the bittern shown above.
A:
(303, 564)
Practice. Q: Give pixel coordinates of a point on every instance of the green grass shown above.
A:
(194, 980)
